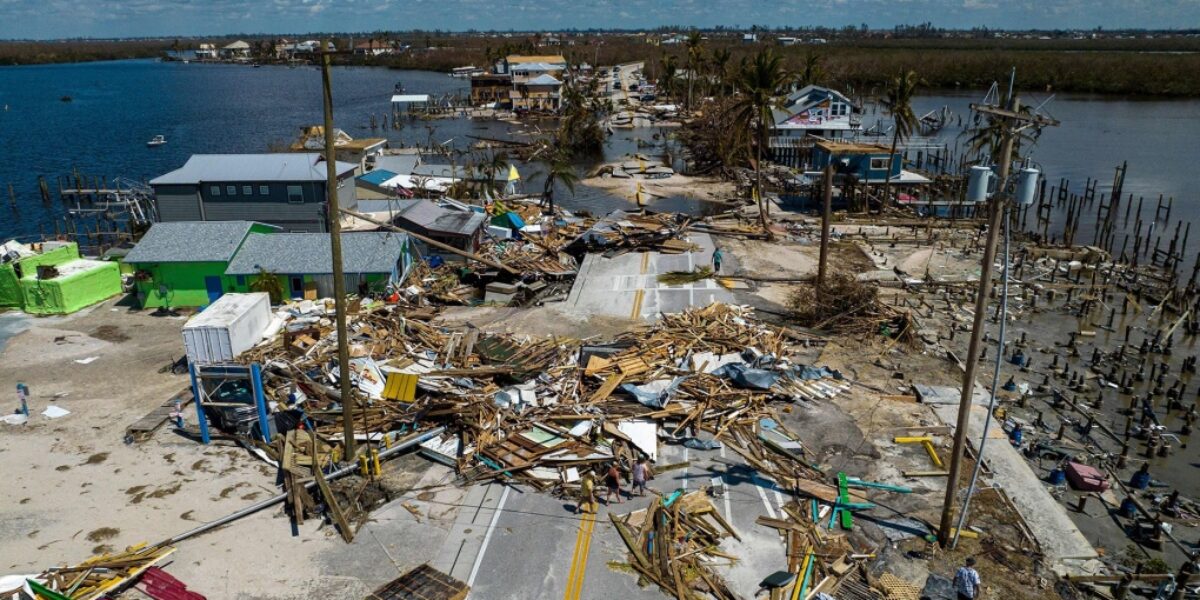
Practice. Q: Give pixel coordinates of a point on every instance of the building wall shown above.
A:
(11, 293)
(303, 212)
(178, 203)
(68, 294)
(184, 282)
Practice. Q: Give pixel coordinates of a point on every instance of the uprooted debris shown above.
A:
(542, 411)
(671, 541)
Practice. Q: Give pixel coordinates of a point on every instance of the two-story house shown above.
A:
(282, 189)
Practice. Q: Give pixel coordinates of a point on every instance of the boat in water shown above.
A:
(399, 88)
(465, 72)
(156, 141)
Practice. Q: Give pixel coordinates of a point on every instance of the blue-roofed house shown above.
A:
(183, 264)
(283, 189)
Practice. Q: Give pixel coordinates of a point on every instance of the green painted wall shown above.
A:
(11, 294)
(63, 295)
(184, 282)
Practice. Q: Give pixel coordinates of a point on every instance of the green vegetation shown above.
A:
(853, 61)
(898, 104)
(759, 83)
(28, 53)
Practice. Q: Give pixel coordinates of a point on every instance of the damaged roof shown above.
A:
(443, 220)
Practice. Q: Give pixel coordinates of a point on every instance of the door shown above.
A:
(296, 282)
(212, 284)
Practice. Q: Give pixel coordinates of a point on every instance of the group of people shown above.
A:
(639, 474)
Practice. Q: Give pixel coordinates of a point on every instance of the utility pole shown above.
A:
(825, 216)
(1014, 122)
(335, 246)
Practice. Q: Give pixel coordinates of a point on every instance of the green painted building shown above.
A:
(65, 283)
(192, 263)
(182, 264)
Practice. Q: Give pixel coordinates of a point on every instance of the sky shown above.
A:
(43, 19)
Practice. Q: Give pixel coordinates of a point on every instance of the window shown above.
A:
(241, 280)
(879, 164)
(295, 194)
(264, 190)
(214, 190)
(231, 190)
(247, 190)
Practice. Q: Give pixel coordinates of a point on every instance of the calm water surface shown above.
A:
(117, 106)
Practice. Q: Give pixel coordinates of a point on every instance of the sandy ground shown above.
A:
(781, 259)
(704, 188)
(74, 488)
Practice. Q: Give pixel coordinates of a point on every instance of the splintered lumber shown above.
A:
(670, 539)
(103, 573)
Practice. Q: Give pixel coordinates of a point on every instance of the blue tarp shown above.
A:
(747, 377)
(649, 395)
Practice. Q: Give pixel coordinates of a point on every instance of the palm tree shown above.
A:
(720, 67)
(558, 169)
(813, 73)
(898, 104)
(759, 82)
(494, 165)
(267, 282)
(670, 74)
(695, 53)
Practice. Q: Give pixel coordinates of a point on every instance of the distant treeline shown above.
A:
(36, 52)
(1148, 66)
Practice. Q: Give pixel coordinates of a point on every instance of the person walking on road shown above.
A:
(612, 483)
(587, 494)
(966, 581)
(716, 260)
(641, 473)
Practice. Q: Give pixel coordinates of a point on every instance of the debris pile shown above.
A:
(99, 574)
(542, 411)
(671, 541)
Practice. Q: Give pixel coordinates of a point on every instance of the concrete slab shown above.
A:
(627, 285)
(1067, 550)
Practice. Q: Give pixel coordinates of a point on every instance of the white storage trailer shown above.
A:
(228, 327)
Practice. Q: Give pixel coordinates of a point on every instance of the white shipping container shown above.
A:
(228, 327)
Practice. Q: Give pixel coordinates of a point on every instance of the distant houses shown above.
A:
(283, 189)
(376, 48)
(238, 50)
(363, 151)
(193, 263)
(523, 82)
(207, 52)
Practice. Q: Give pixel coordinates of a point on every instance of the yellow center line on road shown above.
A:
(638, 296)
(579, 558)
(645, 262)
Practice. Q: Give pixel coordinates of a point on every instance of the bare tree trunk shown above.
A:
(762, 203)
